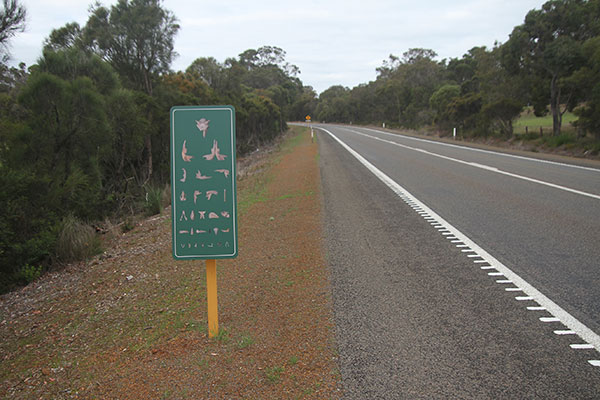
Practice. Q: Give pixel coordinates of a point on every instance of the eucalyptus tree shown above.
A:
(547, 48)
(136, 37)
(12, 21)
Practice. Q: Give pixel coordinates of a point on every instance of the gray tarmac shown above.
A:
(415, 318)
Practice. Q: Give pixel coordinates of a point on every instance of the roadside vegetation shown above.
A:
(131, 323)
(84, 133)
(547, 75)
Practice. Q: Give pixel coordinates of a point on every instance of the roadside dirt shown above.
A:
(131, 324)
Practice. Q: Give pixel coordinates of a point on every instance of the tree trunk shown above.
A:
(149, 150)
(555, 105)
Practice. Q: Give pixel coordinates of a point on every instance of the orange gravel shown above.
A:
(132, 323)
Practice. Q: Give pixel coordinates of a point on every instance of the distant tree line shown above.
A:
(550, 63)
(84, 133)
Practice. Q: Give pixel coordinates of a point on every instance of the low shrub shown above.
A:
(27, 274)
(153, 201)
(76, 241)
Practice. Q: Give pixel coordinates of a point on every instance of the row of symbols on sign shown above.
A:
(204, 177)
(215, 152)
(193, 231)
(202, 245)
(209, 194)
(202, 215)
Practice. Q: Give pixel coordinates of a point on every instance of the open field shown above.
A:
(533, 123)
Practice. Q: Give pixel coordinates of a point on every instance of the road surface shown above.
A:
(459, 273)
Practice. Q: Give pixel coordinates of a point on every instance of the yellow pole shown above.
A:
(211, 298)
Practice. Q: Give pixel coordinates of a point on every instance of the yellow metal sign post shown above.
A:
(211, 298)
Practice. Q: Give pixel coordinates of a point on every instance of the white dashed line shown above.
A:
(523, 298)
(549, 319)
(564, 332)
(582, 346)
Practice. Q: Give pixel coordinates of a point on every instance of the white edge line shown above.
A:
(567, 319)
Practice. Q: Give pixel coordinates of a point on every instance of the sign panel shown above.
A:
(203, 188)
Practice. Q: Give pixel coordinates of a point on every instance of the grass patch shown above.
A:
(534, 123)
(296, 137)
(254, 193)
(273, 374)
(245, 341)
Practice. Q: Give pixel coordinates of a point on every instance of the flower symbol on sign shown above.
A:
(202, 126)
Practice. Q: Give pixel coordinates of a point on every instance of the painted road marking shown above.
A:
(549, 319)
(574, 325)
(485, 167)
(582, 346)
(564, 332)
(485, 151)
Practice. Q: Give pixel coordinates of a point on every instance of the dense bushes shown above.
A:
(84, 136)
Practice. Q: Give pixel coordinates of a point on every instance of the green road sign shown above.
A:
(204, 208)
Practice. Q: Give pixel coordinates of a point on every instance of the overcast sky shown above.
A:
(333, 42)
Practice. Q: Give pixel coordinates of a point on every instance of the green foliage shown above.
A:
(547, 49)
(154, 200)
(28, 273)
(12, 20)
(441, 99)
(27, 222)
(501, 114)
(142, 25)
(560, 140)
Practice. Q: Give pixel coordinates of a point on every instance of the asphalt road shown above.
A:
(425, 288)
